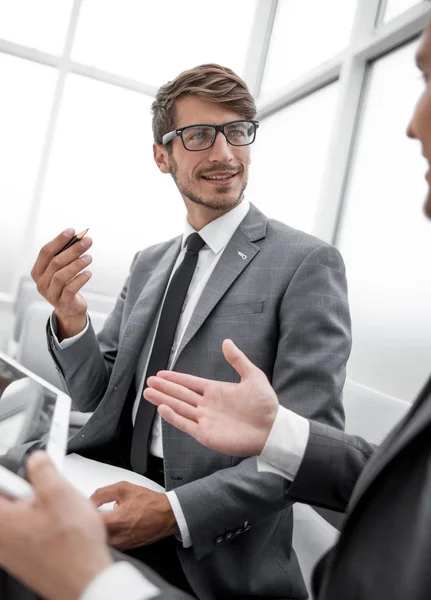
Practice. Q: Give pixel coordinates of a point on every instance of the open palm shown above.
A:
(233, 418)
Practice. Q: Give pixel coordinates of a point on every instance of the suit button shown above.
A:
(228, 536)
(219, 540)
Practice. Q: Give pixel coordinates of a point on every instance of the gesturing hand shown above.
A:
(233, 418)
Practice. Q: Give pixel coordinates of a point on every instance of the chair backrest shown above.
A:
(369, 413)
(32, 350)
(27, 294)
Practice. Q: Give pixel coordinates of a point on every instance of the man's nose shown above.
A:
(221, 150)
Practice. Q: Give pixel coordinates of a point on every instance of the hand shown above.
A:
(140, 516)
(59, 279)
(55, 542)
(233, 418)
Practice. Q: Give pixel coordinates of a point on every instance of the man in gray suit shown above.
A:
(384, 548)
(278, 292)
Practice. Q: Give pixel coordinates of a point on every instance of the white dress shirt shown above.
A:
(216, 236)
(282, 454)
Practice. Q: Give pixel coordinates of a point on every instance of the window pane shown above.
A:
(42, 25)
(396, 7)
(26, 96)
(289, 156)
(102, 175)
(385, 238)
(305, 34)
(154, 41)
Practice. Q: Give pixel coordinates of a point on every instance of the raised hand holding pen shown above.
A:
(59, 277)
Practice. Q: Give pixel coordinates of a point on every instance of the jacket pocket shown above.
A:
(242, 308)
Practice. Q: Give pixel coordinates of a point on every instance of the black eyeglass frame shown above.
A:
(168, 137)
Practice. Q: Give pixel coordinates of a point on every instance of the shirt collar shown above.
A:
(218, 233)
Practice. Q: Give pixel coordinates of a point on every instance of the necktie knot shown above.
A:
(194, 243)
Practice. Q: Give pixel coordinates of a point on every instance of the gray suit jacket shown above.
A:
(384, 550)
(285, 305)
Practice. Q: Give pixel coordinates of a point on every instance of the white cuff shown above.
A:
(286, 444)
(67, 341)
(180, 518)
(120, 580)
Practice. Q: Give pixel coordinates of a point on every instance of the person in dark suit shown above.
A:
(279, 292)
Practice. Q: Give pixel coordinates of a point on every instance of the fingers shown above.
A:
(64, 267)
(47, 252)
(168, 389)
(193, 383)
(237, 359)
(178, 406)
(44, 477)
(69, 291)
(178, 421)
(109, 493)
(52, 273)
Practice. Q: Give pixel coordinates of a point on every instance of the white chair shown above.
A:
(32, 350)
(27, 294)
(371, 415)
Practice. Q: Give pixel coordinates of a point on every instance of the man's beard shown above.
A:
(216, 203)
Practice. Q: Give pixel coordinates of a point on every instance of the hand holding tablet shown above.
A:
(33, 415)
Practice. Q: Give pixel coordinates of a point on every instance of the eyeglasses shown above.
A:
(202, 137)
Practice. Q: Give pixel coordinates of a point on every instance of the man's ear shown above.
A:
(161, 158)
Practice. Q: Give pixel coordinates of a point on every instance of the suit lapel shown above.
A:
(236, 257)
(413, 423)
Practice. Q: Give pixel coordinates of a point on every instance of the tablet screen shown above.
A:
(27, 416)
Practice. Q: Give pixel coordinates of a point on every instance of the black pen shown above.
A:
(70, 243)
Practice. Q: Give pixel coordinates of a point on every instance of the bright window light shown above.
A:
(40, 24)
(154, 41)
(27, 91)
(305, 34)
(102, 175)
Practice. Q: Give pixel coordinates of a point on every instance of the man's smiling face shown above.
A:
(217, 177)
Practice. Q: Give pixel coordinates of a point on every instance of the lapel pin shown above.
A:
(243, 256)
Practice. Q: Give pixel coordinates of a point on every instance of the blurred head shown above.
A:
(420, 125)
(213, 178)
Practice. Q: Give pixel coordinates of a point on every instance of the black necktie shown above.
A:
(163, 341)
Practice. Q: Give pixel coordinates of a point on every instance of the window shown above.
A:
(42, 25)
(385, 238)
(305, 34)
(154, 41)
(289, 157)
(396, 7)
(26, 95)
(102, 175)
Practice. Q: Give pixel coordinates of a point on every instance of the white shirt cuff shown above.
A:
(180, 518)
(286, 444)
(120, 580)
(67, 341)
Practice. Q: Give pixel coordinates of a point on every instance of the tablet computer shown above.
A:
(34, 415)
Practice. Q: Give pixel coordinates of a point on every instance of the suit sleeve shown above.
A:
(313, 346)
(85, 366)
(332, 464)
